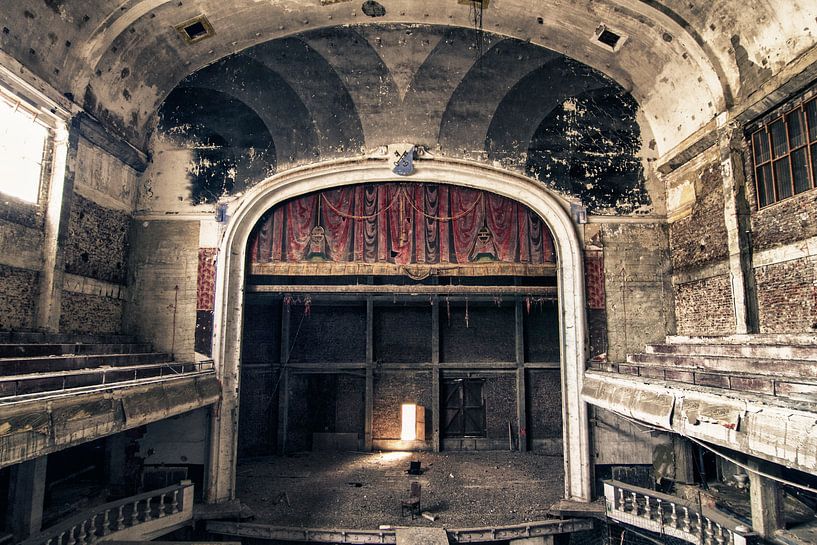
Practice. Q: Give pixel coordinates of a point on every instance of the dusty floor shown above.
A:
(363, 491)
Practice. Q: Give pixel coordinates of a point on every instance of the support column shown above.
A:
(738, 227)
(521, 390)
(684, 460)
(26, 494)
(369, 399)
(766, 498)
(57, 216)
(435, 373)
(283, 381)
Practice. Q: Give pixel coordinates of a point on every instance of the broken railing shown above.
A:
(673, 516)
(142, 517)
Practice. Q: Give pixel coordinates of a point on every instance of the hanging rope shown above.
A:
(359, 218)
(444, 218)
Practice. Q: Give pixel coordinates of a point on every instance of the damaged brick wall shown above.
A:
(785, 276)
(699, 251)
(97, 244)
(258, 425)
(391, 390)
(500, 405)
(704, 307)
(18, 294)
(787, 296)
(83, 313)
(544, 393)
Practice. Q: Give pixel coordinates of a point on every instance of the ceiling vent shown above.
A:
(195, 29)
(608, 38)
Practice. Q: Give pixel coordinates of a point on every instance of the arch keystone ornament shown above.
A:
(232, 273)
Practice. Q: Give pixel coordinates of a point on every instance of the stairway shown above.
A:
(777, 365)
(33, 363)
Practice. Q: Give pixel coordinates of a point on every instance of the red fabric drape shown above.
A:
(339, 225)
(399, 223)
(465, 228)
(500, 216)
(300, 219)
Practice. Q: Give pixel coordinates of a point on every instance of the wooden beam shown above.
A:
(362, 289)
(283, 380)
(521, 395)
(369, 394)
(435, 374)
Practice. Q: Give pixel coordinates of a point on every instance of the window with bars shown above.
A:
(785, 154)
(464, 408)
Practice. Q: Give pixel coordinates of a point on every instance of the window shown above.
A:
(785, 154)
(464, 408)
(22, 145)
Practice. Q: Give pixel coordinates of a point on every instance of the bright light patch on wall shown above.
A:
(408, 430)
(22, 141)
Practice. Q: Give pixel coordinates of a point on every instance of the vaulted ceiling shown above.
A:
(683, 61)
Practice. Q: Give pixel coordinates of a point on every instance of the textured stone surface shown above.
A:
(83, 313)
(98, 241)
(17, 297)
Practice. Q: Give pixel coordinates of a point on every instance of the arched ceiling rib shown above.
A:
(123, 56)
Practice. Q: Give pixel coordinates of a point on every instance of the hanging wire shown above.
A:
(477, 7)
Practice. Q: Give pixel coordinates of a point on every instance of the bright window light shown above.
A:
(22, 141)
(409, 422)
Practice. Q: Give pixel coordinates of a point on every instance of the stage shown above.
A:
(364, 490)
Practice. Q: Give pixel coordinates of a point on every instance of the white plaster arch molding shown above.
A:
(230, 282)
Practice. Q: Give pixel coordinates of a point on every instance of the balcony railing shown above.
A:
(141, 517)
(672, 516)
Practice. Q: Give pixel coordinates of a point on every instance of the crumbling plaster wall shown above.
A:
(96, 249)
(698, 248)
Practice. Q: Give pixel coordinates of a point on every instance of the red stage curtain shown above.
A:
(400, 223)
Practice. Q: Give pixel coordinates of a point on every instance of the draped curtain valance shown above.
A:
(449, 228)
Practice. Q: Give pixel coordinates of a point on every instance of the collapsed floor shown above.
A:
(364, 491)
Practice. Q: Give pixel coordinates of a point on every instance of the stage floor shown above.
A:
(363, 490)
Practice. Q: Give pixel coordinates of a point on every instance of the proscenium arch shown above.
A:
(231, 276)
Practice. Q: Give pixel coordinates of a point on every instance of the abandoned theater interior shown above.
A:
(413, 272)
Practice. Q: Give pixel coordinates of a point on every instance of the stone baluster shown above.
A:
(91, 536)
(120, 518)
(721, 536)
(134, 517)
(687, 522)
(106, 522)
(162, 507)
(634, 499)
(50, 541)
(647, 507)
(673, 516)
(81, 534)
(174, 505)
(148, 516)
(72, 536)
(709, 533)
(659, 507)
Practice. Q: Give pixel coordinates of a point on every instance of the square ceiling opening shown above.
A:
(608, 38)
(195, 29)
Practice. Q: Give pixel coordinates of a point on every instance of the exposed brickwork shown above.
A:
(594, 279)
(704, 307)
(90, 314)
(97, 243)
(500, 405)
(787, 296)
(788, 221)
(700, 238)
(18, 292)
(258, 425)
(544, 391)
(391, 390)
